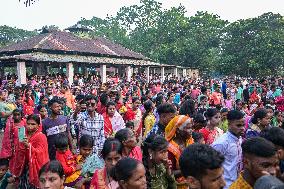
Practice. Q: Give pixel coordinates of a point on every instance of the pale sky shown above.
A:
(65, 13)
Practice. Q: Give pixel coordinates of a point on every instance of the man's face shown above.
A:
(237, 127)
(213, 179)
(258, 165)
(91, 105)
(56, 108)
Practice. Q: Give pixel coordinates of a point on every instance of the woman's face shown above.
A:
(216, 119)
(137, 180)
(51, 181)
(131, 141)
(32, 126)
(112, 159)
(279, 117)
(111, 110)
(160, 156)
(185, 131)
(43, 112)
(44, 101)
(264, 122)
(29, 92)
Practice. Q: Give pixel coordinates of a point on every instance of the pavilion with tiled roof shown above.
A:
(60, 47)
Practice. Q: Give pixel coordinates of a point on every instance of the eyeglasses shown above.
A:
(91, 104)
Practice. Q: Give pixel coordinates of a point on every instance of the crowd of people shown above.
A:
(184, 133)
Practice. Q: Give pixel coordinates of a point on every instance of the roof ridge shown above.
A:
(42, 41)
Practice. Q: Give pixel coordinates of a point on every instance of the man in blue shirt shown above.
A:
(229, 145)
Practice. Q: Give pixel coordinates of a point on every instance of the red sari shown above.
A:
(107, 125)
(36, 155)
(28, 106)
(99, 180)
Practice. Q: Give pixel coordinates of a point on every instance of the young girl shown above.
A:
(111, 153)
(155, 160)
(228, 103)
(129, 143)
(64, 155)
(130, 174)
(211, 132)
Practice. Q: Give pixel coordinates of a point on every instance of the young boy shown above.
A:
(68, 160)
(5, 176)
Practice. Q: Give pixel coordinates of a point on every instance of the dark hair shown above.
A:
(134, 99)
(155, 143)
(197, 136)
(111, 145)
(104, 99)
(199, 118)
(187, 108)
(197, 158)
(53, 101)
(124, 169)
(52, 166)
(42, 97)
(17, 111)
(122, 135)
(61, 141)
(258, 146)
(91, 97)
(166, 108)
(148, 106)
(110, 103)
(234, 115)
(159, 99)
(202, 98)
(203, 89)
(274, 135)
(4, 162)
(211, 112)
(224, 110)
(86, 141)
(259, 114)
(34, 117)
(39, 107)
(129, 124)
(17, 97)
(277, 112)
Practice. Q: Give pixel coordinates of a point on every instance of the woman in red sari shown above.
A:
(113, 121)
(129, 143)
(134, 114)
(212, 132)
(10, 138)
(111, 153)
(29, 104)
(30, 155)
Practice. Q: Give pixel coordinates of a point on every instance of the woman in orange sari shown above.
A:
(178, 134)
(111, 153)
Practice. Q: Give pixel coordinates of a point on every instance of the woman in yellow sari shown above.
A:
(179, 135)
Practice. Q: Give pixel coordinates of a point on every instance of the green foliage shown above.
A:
(9, 35)
(252, 46)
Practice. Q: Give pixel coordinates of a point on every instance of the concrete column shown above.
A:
(147, 72)
(21, 72)
(162, 74)
(128, 73)
(70, 73)
(176, 72)
(103, 69)
(184, 74)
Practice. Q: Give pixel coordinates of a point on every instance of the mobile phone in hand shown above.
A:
(21, 133)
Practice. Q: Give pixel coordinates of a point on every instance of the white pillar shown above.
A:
(162, 74)
(184, 74)
(176, 72)
(21, 71)
(103, 69)
(128, 73)
(70, 72)
(147, 72)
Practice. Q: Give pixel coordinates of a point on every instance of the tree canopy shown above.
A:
(253, 46)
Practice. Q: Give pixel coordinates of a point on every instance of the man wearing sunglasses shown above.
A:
(90, 123)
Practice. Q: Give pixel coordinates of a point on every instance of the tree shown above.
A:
(254, 46)
(9, 35)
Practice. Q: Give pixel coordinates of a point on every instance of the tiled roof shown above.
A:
(69, 43)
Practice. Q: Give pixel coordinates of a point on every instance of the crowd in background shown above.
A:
(176, 132)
